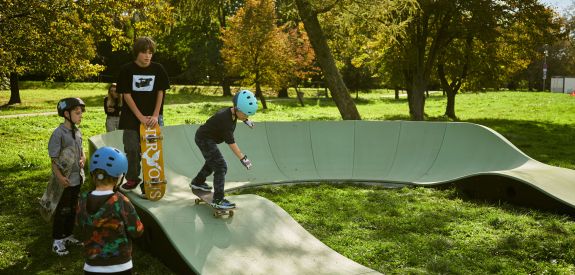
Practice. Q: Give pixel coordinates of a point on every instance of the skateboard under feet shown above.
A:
(207, 197)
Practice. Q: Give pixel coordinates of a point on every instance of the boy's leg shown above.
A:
(131, 139)
(65, 213)
(214, 162)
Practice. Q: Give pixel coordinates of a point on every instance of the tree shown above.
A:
(254, 47)
(43, 37)
(291, 74)
(334, 81)
(196, 42)
(57, 38)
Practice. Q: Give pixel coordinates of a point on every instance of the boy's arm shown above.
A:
(243, 158)
(82, 159)
(134, 226)
(159, 99)
(132, 105)
(64, 181)
(236, 149)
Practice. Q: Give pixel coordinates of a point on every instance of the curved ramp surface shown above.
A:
(262, 238)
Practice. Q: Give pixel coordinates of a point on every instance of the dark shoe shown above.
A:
(129, 185)
(223, 204)
(200, 186)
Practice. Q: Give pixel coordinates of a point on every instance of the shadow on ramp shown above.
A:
(262, 238)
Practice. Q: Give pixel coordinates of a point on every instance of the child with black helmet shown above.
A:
(217, 129)
(67, 137)
(106, 219)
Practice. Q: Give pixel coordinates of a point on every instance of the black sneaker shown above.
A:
(223, 204)
(200, 186)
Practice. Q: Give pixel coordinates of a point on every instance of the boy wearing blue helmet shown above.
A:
(217, 129)
(107, 220)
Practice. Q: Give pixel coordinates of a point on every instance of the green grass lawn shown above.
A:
(397, 231)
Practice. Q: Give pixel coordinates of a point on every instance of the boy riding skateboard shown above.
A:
(217, 129)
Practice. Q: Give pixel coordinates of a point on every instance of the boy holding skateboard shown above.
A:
(143, 84)
(107, 219)
(217, 129)
(68, 173)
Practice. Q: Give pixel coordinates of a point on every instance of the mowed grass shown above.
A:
(397, 231)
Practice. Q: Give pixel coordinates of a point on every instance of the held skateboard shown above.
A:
(207, 197)
(152, 162)
(51, 197)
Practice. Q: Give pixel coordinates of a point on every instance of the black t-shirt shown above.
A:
(219, 128)
(143, 84)
(115, 112)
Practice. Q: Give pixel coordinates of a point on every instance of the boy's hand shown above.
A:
(64, 181)
(249, 123)
(246, 162)
(152, 121)
(82, 161)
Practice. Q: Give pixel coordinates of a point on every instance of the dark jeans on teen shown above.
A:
(215, 163)
(131, 139)
(65, 213)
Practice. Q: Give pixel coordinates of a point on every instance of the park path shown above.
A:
(30, 114)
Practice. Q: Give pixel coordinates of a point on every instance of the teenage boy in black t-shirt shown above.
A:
(143, 84)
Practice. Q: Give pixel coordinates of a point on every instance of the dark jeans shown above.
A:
(215, 163)
(65, 213)
(131, 139)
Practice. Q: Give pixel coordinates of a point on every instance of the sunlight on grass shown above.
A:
(397, 231)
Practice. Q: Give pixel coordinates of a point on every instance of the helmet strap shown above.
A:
(69, 118)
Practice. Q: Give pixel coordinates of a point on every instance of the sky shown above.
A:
(559, 5)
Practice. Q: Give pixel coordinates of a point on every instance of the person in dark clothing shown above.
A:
(217, 129)
(112, 107)
(143, 84)
(107, 220)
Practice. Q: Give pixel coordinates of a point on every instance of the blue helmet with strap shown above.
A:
(246, 102)
(109, 159)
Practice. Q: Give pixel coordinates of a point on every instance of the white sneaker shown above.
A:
(59, 247)
(71, 240)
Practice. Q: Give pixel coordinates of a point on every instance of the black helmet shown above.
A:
(68, 104)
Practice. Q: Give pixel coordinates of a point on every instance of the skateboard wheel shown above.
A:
(231, 213)
(197, 201)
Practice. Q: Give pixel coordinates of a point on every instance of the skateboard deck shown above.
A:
(152, 162)
(207, 197)
(54, 189)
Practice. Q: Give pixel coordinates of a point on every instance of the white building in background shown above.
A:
(563, 84)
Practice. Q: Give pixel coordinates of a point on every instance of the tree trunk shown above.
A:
(396, 93)
(299, 96)
(226, 86)
(14, 89)
(283, 93)
(333, 79)
(450, 108)
(260, 95)
(418, 101)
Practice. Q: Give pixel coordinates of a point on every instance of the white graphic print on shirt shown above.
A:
(143, 83)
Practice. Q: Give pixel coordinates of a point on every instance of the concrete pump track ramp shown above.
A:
(261, 238)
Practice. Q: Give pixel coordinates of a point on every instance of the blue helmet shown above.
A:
(246, 102)
(110, 160)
